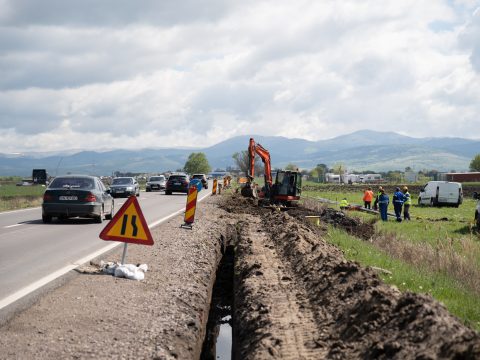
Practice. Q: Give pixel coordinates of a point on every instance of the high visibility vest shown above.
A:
(408, 199)
(343, 203)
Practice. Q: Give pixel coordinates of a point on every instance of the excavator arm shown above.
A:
(265, 156)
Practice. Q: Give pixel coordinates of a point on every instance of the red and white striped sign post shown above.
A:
(214, 188)
(191, 207)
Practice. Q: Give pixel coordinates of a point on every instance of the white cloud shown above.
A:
(111, 74)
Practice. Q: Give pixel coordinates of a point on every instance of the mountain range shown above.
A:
(361, 150)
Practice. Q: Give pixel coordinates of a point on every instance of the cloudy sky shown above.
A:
(96, 74)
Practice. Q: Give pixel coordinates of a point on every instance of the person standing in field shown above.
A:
(375, 203)
(383, 201)
(398, 200)
(367, 198)
(406, 204)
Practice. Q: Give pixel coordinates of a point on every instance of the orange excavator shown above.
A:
(287, 186)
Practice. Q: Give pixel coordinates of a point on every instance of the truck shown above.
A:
(39, 177)
(441, 193)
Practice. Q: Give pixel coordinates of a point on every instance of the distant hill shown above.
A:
(361, 150)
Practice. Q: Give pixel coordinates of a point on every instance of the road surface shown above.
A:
(31, 251)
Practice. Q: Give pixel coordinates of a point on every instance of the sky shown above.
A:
(129, 74)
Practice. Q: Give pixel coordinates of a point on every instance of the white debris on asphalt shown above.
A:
(129, 271)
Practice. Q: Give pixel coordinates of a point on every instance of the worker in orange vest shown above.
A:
(367, 198)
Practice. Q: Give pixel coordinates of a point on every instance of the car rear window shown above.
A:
(198, 176)
(177, 177)
(157, 178)
(72, 183)
(122, 181)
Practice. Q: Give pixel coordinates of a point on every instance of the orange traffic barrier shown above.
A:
(191, 207)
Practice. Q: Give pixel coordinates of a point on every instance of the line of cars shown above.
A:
(86, 196)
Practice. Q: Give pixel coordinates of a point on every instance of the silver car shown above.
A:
(124, 187)
(155, 183)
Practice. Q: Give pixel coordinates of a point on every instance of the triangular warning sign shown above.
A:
(128, 225)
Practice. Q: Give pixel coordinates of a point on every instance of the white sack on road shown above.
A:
(129, 271)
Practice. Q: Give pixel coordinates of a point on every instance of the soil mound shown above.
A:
(354, 315)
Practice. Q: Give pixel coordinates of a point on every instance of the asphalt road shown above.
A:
(31, 250)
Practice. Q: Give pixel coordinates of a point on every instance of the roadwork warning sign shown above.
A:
(128, 225)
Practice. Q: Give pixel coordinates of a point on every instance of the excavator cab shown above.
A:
(287, 187)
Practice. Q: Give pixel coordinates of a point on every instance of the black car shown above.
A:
(77, 195)
(124, 187)
(202, 178)
(177, 183)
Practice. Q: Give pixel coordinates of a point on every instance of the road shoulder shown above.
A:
(99, 316)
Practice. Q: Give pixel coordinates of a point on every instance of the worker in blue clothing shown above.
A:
(383, 201)
(398, 200)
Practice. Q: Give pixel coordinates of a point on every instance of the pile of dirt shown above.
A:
(296, 294)
(354, 226)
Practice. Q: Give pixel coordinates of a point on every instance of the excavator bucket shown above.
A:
(249, 191)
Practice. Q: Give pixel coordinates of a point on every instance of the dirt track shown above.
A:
(295, 297)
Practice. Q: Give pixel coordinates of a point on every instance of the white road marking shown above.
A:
(56, 274)
(11, 226)
(14, 211)
(45, 280)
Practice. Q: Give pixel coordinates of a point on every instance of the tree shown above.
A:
(339, 169)
(197, 163)
(243, 162)
(475, 163)
(321, 170)
(291, 167)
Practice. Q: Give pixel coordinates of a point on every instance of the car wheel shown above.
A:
(99, 219)
(46, 219)
(168, 192)
(477, 219)
(432, 202)
(147, 190)
(110, 216)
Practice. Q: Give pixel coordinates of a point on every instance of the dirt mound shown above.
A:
(346, 310)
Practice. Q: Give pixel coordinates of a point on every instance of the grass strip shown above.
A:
(458, 300)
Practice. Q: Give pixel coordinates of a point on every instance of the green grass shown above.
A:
(18, 197)
(459, 300)
(11, 190)
(460, 221)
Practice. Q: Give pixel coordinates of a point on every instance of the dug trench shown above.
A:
(296, 297)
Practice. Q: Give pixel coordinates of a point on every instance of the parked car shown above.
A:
(177, 183)
(124, 186)
(155, 183)
(476, 196)
(440, 193)
(77, 195)
(202, 178)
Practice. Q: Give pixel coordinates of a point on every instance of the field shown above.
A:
(18, 197)
(438, 252)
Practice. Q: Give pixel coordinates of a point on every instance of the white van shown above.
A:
(440, 193)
